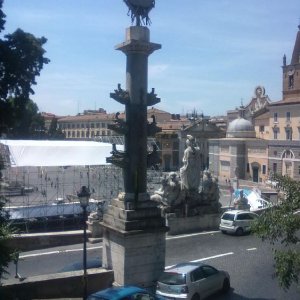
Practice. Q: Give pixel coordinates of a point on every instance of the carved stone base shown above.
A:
(134, 241)
(95, 227)
(137, 257)
(180, 225)
(129, 215)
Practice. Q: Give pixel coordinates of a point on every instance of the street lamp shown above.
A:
(84, 196)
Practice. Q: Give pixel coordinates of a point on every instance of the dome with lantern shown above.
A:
(240, 127)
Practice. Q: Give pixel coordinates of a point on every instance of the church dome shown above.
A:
(240, 128)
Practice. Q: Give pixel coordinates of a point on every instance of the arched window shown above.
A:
(287, 154)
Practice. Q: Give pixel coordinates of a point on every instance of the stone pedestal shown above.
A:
(95, 227)
(183, 225)
(137, 257)
(134, 242)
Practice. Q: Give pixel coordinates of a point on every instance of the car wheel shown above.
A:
(226, 285)
(196, 297)
(239, 231)
(223, 231)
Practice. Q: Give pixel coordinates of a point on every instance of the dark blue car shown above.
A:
(124, 293)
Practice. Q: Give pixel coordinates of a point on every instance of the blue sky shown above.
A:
(214, 52)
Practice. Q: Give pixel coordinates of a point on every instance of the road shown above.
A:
(247, 259)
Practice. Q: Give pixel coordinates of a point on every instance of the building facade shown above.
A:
(275, 147)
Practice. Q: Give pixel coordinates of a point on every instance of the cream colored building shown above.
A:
(87, 125)
(275, 145)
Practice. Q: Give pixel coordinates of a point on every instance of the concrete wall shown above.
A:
(192, 224)
(60, 285)
(35, 241)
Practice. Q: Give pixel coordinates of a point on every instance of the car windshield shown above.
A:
(229, 217)
(172, 278)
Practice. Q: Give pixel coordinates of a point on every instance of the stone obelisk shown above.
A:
(133, 229)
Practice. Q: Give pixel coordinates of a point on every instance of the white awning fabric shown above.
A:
(31, 153)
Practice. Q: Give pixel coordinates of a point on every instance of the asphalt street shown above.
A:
(247, 259)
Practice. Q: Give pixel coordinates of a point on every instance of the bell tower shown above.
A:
(291, 73)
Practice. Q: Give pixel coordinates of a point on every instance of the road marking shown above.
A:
(211, 257)
(192, 234)
(57, 252)
(251, 249)
(205, 258)
(100, 247)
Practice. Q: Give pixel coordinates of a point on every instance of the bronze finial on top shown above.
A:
(139, 10)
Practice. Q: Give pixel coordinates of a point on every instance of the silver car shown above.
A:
(192, 281)
(237, 221)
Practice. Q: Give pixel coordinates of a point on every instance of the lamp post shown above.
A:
(84, 196)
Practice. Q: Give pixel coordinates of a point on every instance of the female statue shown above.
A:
(190, 172)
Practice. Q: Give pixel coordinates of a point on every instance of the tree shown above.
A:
(280, 226)
(21, 61)
(55, 133)
(7, 254)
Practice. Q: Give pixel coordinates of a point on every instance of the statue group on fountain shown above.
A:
(182, 194)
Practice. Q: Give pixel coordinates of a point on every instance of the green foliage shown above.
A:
(55, 133)
(21, 61)
(2, 16)
(25, 121)
(7, 254)
(280, 226)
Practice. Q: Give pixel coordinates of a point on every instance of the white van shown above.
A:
(237, 221)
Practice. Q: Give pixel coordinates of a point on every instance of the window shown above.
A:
(208, 271)
(288, 133)
(228, 217)
(288, 116)
(291, 81)
(264, 169)
(172, 278)
(275, 117)
(248, 168)
(288, 154)
(242, 217)
(274, 167)
(197, 275)
(261, 128)
(275, 132)
(225, 165)
(275, 153)
(299, 169)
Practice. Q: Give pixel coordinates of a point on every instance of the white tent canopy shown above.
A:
(37, 153)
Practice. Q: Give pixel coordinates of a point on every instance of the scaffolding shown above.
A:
(45, 198)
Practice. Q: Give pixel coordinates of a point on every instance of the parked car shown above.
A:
(192, 281)
(124, 293)
(237, 221)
